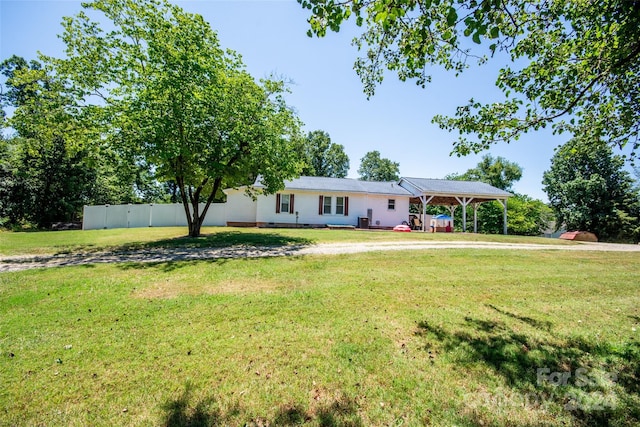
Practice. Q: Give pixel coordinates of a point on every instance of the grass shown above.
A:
(404, 338)
(135, 238)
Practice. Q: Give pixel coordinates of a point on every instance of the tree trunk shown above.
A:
(190, 202)
(195, 226)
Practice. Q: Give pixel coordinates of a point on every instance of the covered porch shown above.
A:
(449, 193)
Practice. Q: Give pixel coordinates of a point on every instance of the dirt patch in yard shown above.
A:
(173, 289)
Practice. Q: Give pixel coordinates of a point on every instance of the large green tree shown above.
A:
(376, 168)
(496, 171)
(575, 65)
(526, 216)
(323, 157)
(47, 169)
(54, 163)
(170, 93)
(589, 190)
(7, 183)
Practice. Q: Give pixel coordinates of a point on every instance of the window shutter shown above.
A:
(277, 203)
(320, 204)
(346, 206)
(291, 204)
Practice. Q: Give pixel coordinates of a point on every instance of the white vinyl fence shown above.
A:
(147, 215)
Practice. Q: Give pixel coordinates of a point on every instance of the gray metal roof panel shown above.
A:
(346, 185)
(451, 187)
(390, 188)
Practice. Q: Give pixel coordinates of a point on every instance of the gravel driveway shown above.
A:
(26, 262)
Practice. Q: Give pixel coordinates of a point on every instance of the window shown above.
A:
(285, 200)
(325, 202)
(326, 207)
(339, 205)
(284, 203)
(391, 204)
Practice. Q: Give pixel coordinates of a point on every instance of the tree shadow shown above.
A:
(543, 325)
(181, 413)
(231, 238)
(170, 254)
(596, 381)
(291, 415)
(185, 412)
(213, 240)
(168, 266)
(341, 411)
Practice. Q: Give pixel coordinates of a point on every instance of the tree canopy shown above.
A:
(54, 160)
(323, 157)
(527, 216)
(498, 171)
(375, 168)
(47, 167)
(574, 65)
(589, 190)
(164, 89)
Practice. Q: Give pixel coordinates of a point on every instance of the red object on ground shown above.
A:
(402, 228)
(579, 236)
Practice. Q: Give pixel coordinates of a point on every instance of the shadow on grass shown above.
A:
(343, 411)
(596, 381)
(170, 253)
(168, 266)
(217, 240)
(212, 240)
(543, 325)
(184, 412)
(180, 412)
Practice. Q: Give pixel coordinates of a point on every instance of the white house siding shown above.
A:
(240, 209)
(381, 215)
(307, 206)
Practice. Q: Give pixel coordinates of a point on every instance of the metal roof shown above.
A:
(444, 190)
(446, 187)
(377, 187)
(342, 185)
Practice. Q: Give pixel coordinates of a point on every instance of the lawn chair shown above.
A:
(416, 224)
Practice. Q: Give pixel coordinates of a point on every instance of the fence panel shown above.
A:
(147, 215)
(93, 217)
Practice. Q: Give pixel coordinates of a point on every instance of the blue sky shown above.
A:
(326, 92)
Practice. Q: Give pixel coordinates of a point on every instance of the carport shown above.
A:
(449, 193)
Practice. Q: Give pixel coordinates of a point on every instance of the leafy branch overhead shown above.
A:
(581, 71)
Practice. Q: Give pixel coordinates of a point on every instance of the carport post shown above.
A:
(504, 215)
(464, 202)
(452, 209)
(475, 217)
(424, 201)
(464, 214)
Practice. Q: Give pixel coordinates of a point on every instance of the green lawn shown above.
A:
(91, 240)
(437, 337)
